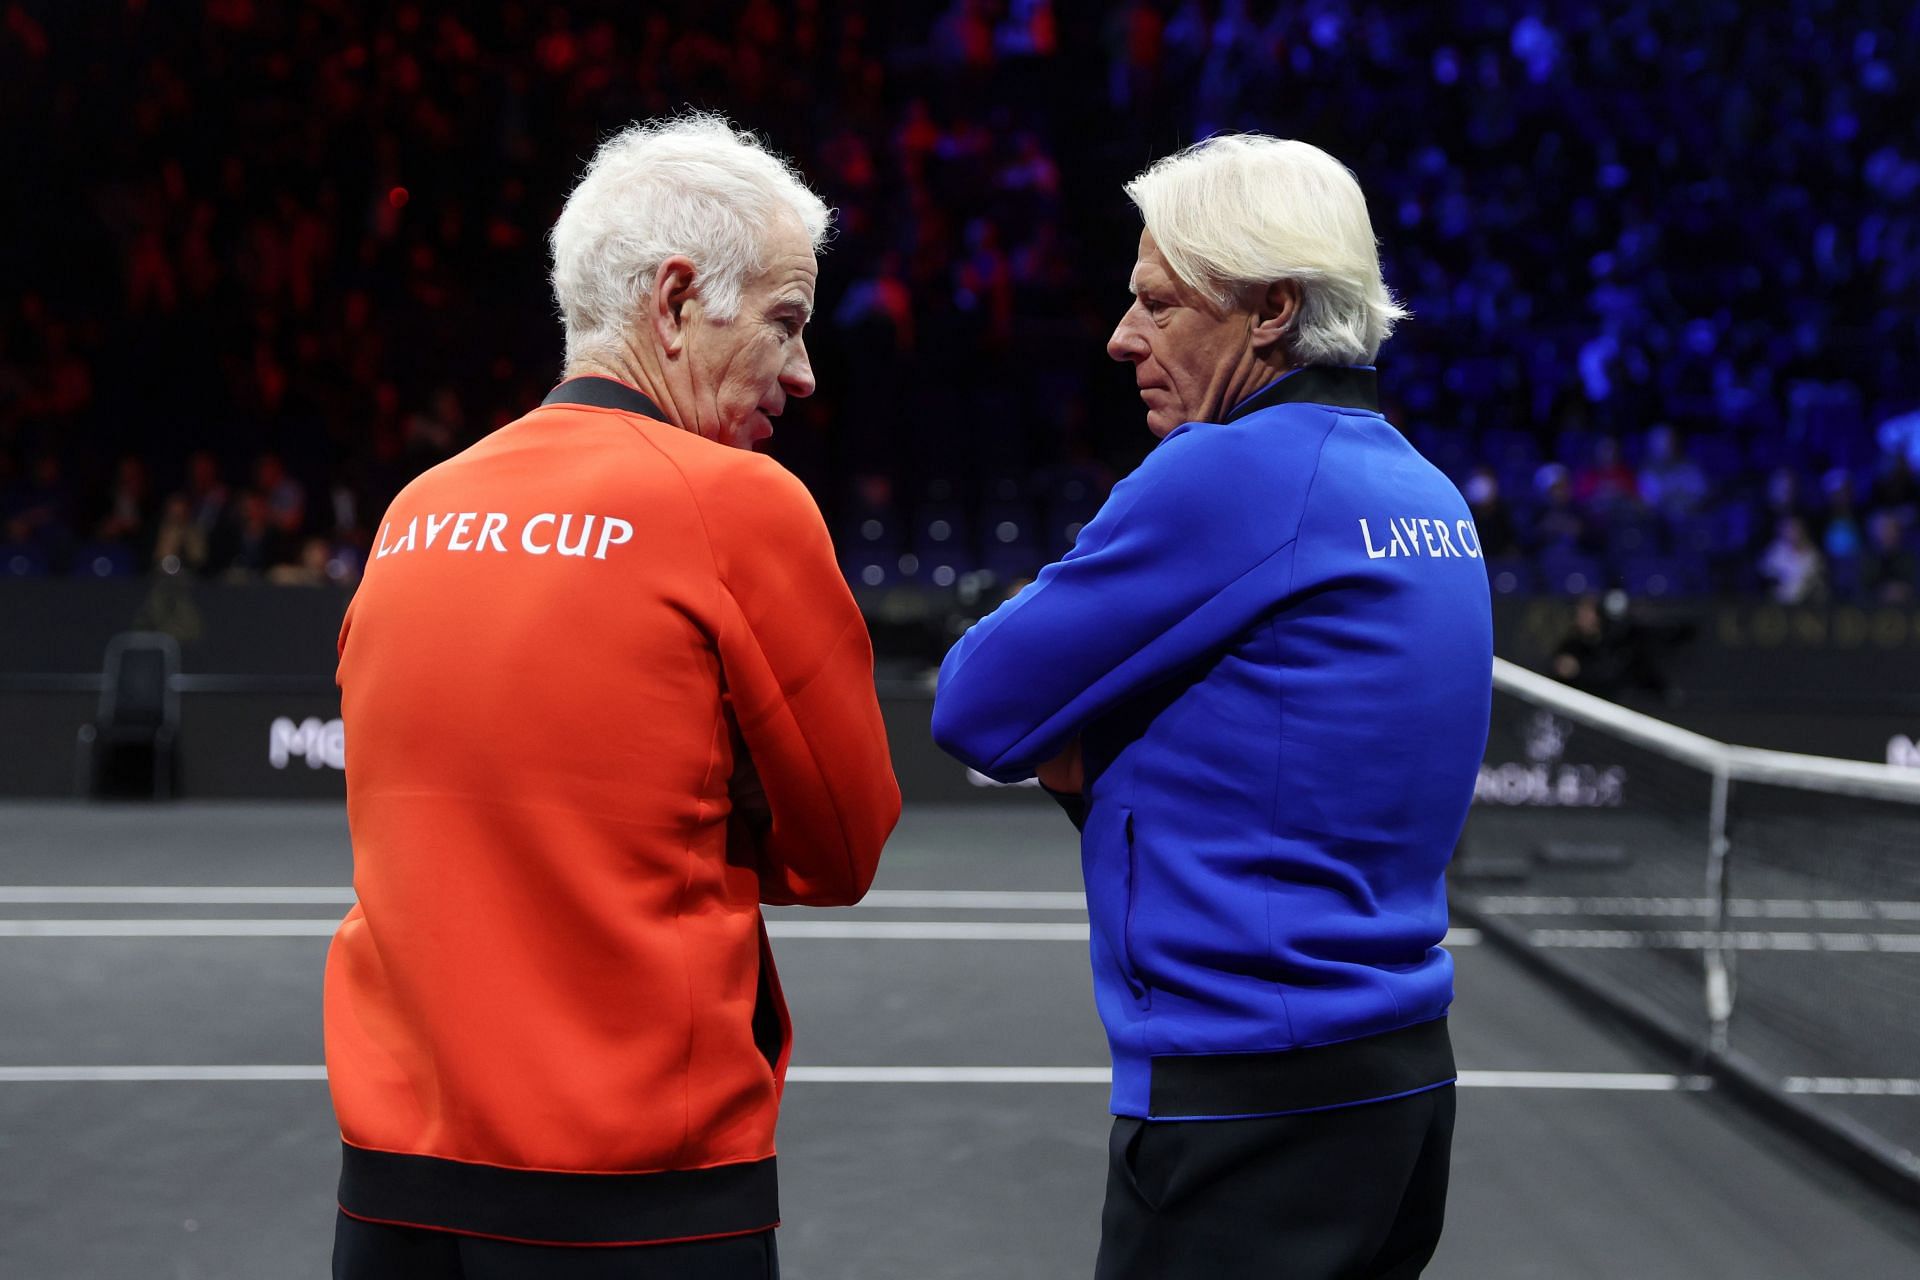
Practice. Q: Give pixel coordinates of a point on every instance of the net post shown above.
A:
(1716, 956)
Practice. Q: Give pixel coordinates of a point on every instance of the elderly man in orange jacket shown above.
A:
(606, 693)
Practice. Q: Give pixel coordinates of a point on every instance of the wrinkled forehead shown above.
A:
(1149, 265)
(791, 270)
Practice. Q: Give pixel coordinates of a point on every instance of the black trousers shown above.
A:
(376, 1251)
(1353, 1192)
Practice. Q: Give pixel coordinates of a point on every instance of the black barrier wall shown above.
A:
(292, 745)
(58, 627)
(259, 713)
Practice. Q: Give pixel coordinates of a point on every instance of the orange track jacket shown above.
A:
(553, 1014)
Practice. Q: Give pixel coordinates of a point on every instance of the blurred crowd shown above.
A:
(267, 262)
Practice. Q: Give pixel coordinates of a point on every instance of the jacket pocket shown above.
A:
(1128, 968)
(772, 1026)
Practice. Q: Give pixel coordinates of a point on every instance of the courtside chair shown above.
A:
(139, 707)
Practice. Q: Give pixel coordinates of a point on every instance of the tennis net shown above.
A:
(1760, 909)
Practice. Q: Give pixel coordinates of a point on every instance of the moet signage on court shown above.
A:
(322, 743)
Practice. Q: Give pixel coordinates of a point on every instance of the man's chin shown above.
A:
(748, 435)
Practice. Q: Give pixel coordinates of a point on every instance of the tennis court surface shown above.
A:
(163, 1110)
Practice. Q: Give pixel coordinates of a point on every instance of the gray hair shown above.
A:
(1246, 209)
(690, 185)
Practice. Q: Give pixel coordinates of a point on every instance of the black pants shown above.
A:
(376, 1251)
(1353, 1192)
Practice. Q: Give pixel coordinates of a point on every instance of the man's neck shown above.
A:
(1252, 373)
(630, 365)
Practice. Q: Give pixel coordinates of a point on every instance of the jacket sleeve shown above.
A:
(798, 666)
(1188, 552)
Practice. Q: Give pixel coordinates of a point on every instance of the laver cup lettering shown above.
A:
(608, 693)
(569, 534)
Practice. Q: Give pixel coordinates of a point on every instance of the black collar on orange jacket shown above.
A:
(1344, 386)
(604, 393)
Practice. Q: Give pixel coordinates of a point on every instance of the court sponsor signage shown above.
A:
(1903, 752)
(1545, 778)
(321, 743)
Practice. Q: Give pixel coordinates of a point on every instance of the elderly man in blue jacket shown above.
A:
(1261, 679)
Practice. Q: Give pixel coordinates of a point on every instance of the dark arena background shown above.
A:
(263, 263)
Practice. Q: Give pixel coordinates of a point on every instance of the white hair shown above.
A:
(690, 185)
(1246, 209)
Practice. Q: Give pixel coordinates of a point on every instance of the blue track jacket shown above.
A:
(1275, 641)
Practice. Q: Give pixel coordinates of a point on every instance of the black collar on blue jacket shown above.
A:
(604, 393)
(1344, 386)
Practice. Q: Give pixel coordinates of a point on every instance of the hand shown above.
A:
(1064, 773)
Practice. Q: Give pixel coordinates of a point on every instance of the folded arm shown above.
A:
(794, 650)
(1179, 561)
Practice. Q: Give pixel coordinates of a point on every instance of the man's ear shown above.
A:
(671, 307)
(1278, 310)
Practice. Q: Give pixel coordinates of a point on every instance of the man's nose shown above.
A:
(1126, 344)
(797, 376)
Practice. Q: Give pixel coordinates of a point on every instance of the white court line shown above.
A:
(155, 1075)
(1600, 1081)
(949, 1075)
(929, 930)
(872, 930)
(1618, 1081)
(168, 928)
(1744, 908)
(975, 900)
(131, 895)
(141, 895)
(1854, 1086)
(1612, 1081)
(1736, 939)
(848, 930)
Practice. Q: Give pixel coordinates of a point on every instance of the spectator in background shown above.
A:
(1784, 501)
(309, 569)
(12, 487)
(285, 497)
(1841, 536)
(127, 517)
(1792, 565)
(882, 304)
(1670, 482)
(1559, 523)
(434, 433)
(180, 545)
(208, 497)
(1895, 489)
(287, 235)
(65, 388)
(42, 515)
(252, 543)
(1608, 652)
(1605, 482)
(1889, 573)
(1491, 517)
(1900, 435)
